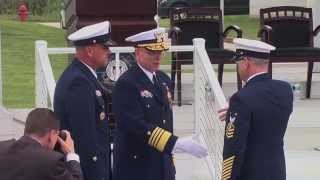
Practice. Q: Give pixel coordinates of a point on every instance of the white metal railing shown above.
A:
(208, 99)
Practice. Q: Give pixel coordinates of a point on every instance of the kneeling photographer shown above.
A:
(33, 155)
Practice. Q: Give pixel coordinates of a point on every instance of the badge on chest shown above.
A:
(231, 126)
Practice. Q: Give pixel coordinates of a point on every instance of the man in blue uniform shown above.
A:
(257, 118)
(144, 139)
(79, 100)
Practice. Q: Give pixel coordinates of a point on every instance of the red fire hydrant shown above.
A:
(23, 13)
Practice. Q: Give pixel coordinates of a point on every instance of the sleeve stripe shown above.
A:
(227, 164)
(157, 138)
(227, 167)
(226, 177)
(153, 135)
(163, 141)
(227, 172)
(229, 159)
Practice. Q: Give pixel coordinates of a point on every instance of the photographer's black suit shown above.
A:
(26, 159)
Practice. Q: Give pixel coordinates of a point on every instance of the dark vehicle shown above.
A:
(231, 7)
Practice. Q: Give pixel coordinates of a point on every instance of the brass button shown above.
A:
(102, 115)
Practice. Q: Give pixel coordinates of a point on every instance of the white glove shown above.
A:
(190, 146)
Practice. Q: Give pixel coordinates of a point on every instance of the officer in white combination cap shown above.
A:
(80, 103)
(257, 118)
(145, 142)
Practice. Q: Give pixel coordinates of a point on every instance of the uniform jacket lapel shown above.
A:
(88, 73)
(92, 78)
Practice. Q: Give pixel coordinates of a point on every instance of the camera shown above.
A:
(63, 136)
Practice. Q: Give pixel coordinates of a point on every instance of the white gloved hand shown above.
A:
(190, 146)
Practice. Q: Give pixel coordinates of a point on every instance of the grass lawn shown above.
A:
(18, 59)
(18, 54)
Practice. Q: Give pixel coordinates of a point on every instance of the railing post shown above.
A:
(40, 91)
(197, 43)
(1, 84)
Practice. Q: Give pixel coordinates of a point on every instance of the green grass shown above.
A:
(32, 18)
(18, 59)
(249, 25)
(18, 54)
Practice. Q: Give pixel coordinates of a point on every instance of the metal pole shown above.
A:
(222, 10)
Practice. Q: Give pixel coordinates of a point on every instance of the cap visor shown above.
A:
(237, 57)
(109, 43)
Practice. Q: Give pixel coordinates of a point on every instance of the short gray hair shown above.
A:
(259, 61)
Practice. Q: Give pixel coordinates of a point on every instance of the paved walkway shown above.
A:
(52, 24)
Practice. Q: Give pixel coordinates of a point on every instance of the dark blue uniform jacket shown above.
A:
(255, 126)
(144, 126)
(79, 103)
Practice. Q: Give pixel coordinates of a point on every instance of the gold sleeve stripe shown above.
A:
(227, 164)
(174, 161)
(227, 172)
(229, 159)
(153, 134)
(225, 169)
(163, 141)
(226, 177)
(157, 137)
(156, 141)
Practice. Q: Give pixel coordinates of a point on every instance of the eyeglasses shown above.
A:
(153, 53)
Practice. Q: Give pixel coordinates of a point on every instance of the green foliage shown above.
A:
(9, 6)
(35, 7)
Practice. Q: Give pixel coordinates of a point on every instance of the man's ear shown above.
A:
(89, 50)
(246, 63)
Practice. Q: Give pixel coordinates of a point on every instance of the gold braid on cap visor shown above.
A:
(159, 46)
(163, 43)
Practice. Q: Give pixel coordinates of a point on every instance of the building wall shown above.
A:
(315, 5)
(256, 5)
(316, 18)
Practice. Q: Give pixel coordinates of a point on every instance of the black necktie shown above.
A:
(155, 82)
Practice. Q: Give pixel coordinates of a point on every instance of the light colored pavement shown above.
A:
(52, 24)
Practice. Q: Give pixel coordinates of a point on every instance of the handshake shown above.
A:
(190, 146)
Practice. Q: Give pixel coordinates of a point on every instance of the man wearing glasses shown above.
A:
(144, 139)
(79, 100)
